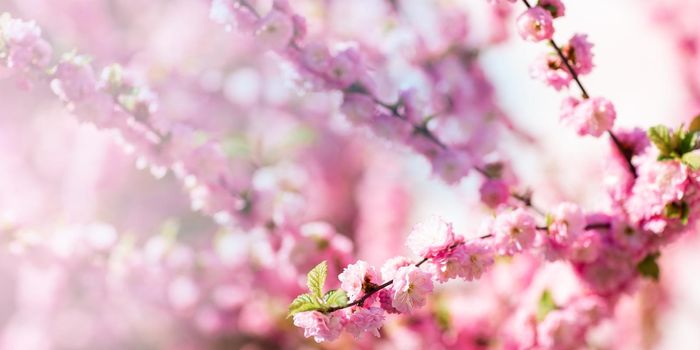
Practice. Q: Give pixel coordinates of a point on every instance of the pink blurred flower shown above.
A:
(535, 24)
(588, 117)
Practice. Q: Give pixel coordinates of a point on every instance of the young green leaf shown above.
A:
(692, 159)
(316, 278)
(335, 298)
(545, 306)
(302, 303)
(649, 268)
(660, 136)
(694, 125)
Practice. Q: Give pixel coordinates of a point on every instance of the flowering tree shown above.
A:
(294, 129)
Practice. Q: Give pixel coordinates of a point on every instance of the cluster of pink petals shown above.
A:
(592, 116)
(514, 231)
(535, 24)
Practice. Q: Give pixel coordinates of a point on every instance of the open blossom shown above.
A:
(320, 326)
(74, 79)
(358, 108)
(356, 277)
(550, 69)
(494, 192)
(561, 330)
(567, 224)
(276, 30)
(24, 44)
(588, 117)
(555, 7)
(451, 165)
(392, 265)
(467, 261)
(431, 237)
(579, 53)
(535, 24)
(363, 320)
(410, 288)
(344, 68)
(659, 184)
(514, 231)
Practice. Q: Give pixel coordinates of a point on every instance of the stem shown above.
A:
(362, 299)
(584, 93)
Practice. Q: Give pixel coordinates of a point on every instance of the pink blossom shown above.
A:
(514, 231)
(659, 183)
(588, 117)
(363, 320)
(555, 7)
(320, 326)
(494, 192)
(275, 30)
(550, 69)
(24, 44)
(579, 53)
(467, 261)
(431, 237)
(567, 224)
(392, 265)
(451, 165)
(355, 279)
(358, 108)
(561, 330)
(344, 68)
(535, 24)
(411, 286)
(74, 80)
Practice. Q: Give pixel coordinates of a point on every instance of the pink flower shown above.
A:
(659, 183)
(358, 108)
(320, 326)
(431, 237)
(23, 42)
(74, 80)
(365, 320)
(355, 279)
(550, 69)
(514, 231)
(568, 223)
(494, 192)
(275, 30)
(555, 7)
(588, 117)
(392, 265)
(451, 165)
(411, 285)
(579, 53)
(535, 24)
(561, 330)
(344, 68)
(468, 261)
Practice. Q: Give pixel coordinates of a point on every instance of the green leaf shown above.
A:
(316, 278)
(545, 306)
(335, 298)
(660, 136)
(302, 303)
(694, 125)
(689, 143)
(692, 159)
(649, 268)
